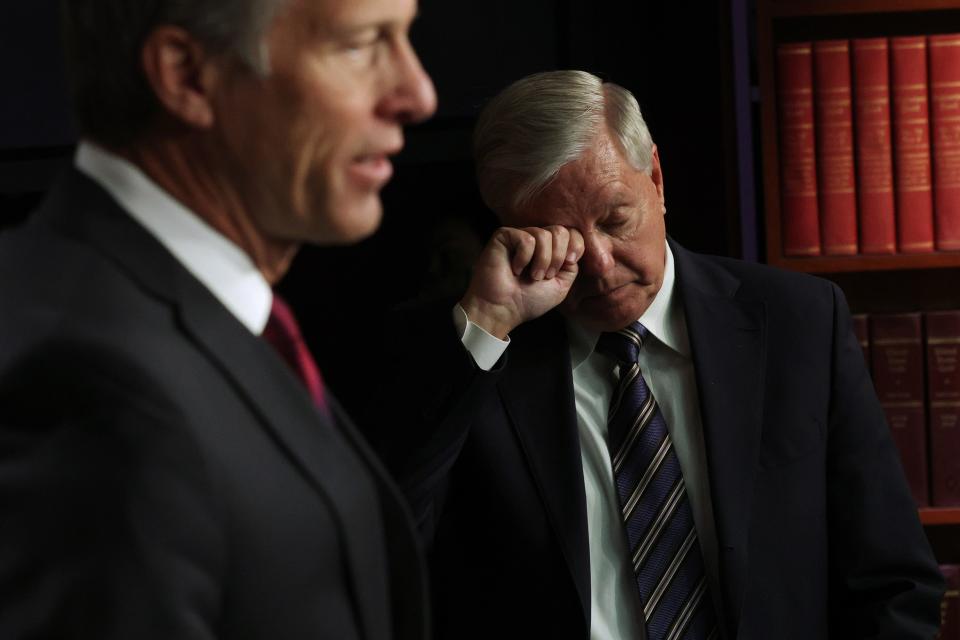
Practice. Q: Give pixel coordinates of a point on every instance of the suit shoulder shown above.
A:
(772, 284)
(80, 331)
(54, 286)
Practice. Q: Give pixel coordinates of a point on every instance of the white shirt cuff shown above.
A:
(485, 348)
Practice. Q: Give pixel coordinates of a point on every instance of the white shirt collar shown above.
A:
(664, 320)
(225, 269)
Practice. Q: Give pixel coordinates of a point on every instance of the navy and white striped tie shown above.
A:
(664, 550)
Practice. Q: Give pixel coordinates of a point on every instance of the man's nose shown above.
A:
(597, 257)
(413, 98)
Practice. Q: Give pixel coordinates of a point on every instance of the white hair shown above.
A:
(538, 124)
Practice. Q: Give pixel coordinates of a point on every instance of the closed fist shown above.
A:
(520, 275)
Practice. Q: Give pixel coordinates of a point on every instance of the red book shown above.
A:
(950, 606)
(943, 403)
(798, 172)
(896, 356)
(911, 144)
(861, 329)
(832, 98)
(871, 99)
(945, 122)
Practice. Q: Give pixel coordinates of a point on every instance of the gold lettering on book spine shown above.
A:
(946, 129)
(874, 144)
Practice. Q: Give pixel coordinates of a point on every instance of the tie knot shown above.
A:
(282, 325)
(624, 345)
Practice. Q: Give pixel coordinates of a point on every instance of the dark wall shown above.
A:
(35, 129)
(32, 112)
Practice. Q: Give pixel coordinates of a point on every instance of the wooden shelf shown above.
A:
(842, 264)
(932, 516)
(792, 8)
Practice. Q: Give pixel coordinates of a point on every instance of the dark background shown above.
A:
(688, 64)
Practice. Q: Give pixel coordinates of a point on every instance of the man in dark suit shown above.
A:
(624, 439)
(165, 472)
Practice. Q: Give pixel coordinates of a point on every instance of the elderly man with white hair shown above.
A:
(618, 438)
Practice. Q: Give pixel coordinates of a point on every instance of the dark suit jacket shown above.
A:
(162, 473)
(817, 533)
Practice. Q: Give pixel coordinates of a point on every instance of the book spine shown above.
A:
(871, 95)
(861, 329)
(943, 402)
(896, 343)
(798, 173)
(950, 605)
(911, 144)
(833, 100)
(945, 120)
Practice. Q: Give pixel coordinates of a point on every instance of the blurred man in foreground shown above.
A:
(171, 465)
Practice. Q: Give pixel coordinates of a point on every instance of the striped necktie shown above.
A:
(664, 551)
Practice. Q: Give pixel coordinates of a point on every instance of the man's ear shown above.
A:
(656, 174)
(181, 74)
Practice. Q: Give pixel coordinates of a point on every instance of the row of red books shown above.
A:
(950, 607)
(915, 362)
(854, 178)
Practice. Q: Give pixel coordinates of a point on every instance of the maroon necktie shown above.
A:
(283, 334)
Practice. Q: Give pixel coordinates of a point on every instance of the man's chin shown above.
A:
(610, 312)
(350, 223)
(600, 324)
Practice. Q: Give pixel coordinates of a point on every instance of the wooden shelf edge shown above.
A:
(940, 515)
(841, 264)
(795, 8)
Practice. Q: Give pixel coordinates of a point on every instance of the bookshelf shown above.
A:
(872, 283)
(780, 21)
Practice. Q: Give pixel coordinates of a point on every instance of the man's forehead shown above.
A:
(597, 161)
(588, 175)
(592, 175)
(572, 202)
(582, 189)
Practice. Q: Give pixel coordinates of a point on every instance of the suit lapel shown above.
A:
(537, 390)
(270, 388)
(727, 337)
(309, 440)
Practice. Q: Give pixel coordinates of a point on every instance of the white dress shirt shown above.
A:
(667, 368)
(225, 269)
